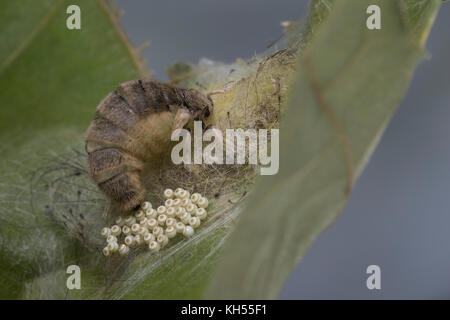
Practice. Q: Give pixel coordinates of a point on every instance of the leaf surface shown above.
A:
(349, 82)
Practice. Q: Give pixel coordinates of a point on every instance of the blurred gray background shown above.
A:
(398, 215)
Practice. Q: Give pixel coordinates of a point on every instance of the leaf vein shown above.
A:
(342, 137)
(29, 40)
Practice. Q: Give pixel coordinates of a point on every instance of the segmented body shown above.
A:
(132, 125)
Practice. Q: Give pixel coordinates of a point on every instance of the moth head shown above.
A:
(199, 103)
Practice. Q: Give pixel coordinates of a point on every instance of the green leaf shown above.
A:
(54, 78)
(350, 80)
(318, 12)
(419, 15)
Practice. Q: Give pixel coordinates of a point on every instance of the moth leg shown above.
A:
(207, 127)
(182, 117)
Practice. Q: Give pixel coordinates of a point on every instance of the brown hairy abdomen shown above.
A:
(106, 163)
(118, 111)
(134, 94)
(125, 188)
(131, 126)
(105, 134)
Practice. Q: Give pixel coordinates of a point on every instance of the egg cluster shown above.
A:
(180, 214)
